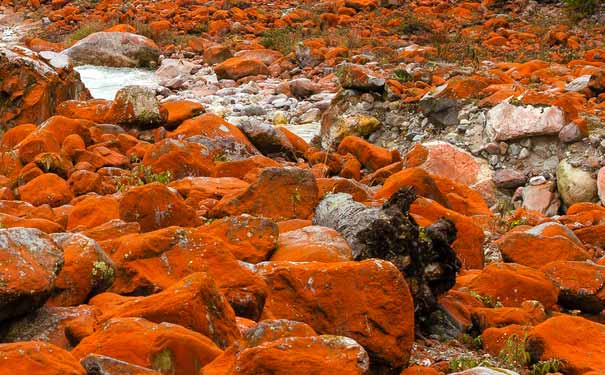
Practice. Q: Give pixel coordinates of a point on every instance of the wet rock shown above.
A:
(506, 121)
(30, 262)
(116, 49)
(327, 289)
(574, 184)
(31, 87)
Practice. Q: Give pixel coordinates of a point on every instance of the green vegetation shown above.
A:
(513, 354)
(579, 9)
(283, 39)
(141, 175)
(83, 31)
(488, 301)
(546, 367)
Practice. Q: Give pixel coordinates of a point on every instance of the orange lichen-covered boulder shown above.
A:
(194, 303)
(469, 238)
(581, 284)
(32, 87)
(156, 206)
(278, 193)
(180, 158)
(541, 244)
(156, 260)
(30, 263)
(371, 156)
(577, 342)
(100, 364)
(165, 347)
(93, 211)
(37, 358)
(86, 271)
(48, 324)
(530, 313)
(208, 187)
(240, 67)
(341, 298)
(239, 168)
(46, 189)
(423, 183)
(495, 339)
(181, 110)
(312, 244)
(512, 284)
(420, 370)
(252, 238)
(271, 330)
(295, 355)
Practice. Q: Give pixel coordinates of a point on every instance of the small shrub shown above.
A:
(84, 31)
(283, 39)
(546, 367)
(488, 301)
(579, 9)
(513, 354)
(141, 175)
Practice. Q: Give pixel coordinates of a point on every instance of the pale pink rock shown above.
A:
(506, 121)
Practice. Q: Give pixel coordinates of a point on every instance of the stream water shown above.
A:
(104, 83)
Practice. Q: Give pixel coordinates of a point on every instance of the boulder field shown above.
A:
(444, 216)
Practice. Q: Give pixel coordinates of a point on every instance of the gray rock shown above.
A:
(96, 364)
(115, 49)
(574, 184)
(485, 371)
(138, 107)
(509, 178)
(506, 121)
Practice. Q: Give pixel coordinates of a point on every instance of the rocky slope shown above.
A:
(446, 217)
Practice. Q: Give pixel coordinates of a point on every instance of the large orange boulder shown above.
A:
(581, 284)
(93, 211)
(30, 263)
(239, 168)
(223, 139)
(512, 284)
(167, 348)
(32, 87)
(156, 260)
(86, 271)
(100, 364)
(293, 356)
(278, 193)
(577, 342)
(371, 156)
(181, 110)
(368, 301)
(240, 67)
(251, 238)
(208, 187)
(423, 183)
(46, 189)
(540, 245)
(194, 303)
(312, 244)
(156, 206)
(180, 158)
(469, 237)
(37, 358)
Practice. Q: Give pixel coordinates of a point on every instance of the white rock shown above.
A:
(506, 121)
